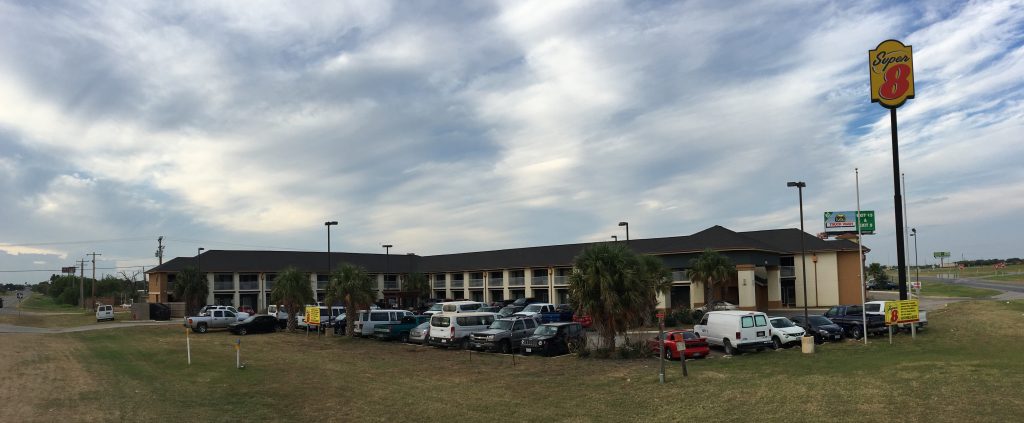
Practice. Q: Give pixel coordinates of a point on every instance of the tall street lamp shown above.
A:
(803, 252)
(328, 225)
(199, 265)
(626, 224)
(387, 262)
(913, 233)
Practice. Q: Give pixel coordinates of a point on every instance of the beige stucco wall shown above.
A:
(745, 283)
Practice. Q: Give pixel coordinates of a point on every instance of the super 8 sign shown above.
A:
(891, 67)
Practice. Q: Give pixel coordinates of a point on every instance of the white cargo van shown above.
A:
(460, 306)
(736, 330)
(370, 319)
(104, 312)
(454, 329)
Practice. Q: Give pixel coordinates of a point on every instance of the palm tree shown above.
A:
(191, 286)
(355, 288)
(292, 289)
(711, 269)
(616, 287)
(418, 284)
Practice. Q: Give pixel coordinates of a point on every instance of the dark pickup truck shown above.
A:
(851, 319)
(399, 331)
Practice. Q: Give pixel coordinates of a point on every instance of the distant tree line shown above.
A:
(64, 289)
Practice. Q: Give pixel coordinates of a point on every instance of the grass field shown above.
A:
(1007, 278)
(43, 303)
(963, 368)
(976, 272)
(942, 289)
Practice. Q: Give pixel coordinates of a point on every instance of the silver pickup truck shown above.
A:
(214, 319)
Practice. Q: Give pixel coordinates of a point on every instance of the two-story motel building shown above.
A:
(768, 271)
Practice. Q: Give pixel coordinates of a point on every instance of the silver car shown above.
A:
(418, 334)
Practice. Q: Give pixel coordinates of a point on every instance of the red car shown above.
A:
(247, 309)
(696, 346)
(583, 320)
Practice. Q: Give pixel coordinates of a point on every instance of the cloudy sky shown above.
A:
(444, 127)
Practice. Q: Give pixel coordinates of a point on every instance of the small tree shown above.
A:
(711, 269)
(292, 289)
(192, 287)
(418, 284)
(616, 287)
(356, 288)
(876, 272)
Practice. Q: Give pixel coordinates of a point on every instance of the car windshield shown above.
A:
(423, 326)
(820, 320)
(782, 322)
(507, 311)
(534, 308)
(545, 330)
(501, 324)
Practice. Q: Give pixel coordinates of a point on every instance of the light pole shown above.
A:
(913, 233)
(329, 224)
(615, 238)
(803, 252)
(626, 224)
(387, 263)
(199, 267)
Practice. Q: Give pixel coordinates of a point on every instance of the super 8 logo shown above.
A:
(891, 67)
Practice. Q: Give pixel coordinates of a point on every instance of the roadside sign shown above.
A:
(939, 254)
(905, 311)
(660, 315)
(313, 315)
(844, 222)
(915, 284)
(891, 67)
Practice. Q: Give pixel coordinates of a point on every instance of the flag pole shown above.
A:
(860, 253)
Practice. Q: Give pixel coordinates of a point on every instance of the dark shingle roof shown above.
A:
(777, 241)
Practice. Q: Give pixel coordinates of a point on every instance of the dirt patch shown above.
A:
(42, 377)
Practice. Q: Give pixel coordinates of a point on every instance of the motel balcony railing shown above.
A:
(457, 283)
(561, 279)
(249, 286)
(680, 275)
(539, 280)
(476, 283)
(495, 282)
(223, 286)
(439, 284)
(517, 281)
(787, 271)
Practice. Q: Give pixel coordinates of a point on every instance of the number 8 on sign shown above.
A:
(892, 73)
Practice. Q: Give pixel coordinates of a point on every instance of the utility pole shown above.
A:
(160, 249)
(94, 254)
(81, 283)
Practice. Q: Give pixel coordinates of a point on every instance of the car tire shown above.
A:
(729, 349)
(242, 331)
(856, 333)
(403, 337)
(776, 343)
(201, 328)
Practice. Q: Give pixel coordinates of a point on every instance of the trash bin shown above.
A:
(807, 344)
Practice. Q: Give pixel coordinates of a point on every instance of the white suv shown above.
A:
(784, 332)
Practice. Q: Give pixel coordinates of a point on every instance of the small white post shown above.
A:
(238, 353)
(188, 346)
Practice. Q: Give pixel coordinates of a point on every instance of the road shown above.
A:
(11, 302)
(1010, 290)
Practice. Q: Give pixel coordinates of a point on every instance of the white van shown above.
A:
(460, 306)
(736, 330)
(454, 329)
(104, 312)
(370, 319)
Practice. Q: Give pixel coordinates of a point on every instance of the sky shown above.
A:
(446, 126)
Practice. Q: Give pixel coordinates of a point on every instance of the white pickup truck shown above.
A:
(216, 318)
(878, 307)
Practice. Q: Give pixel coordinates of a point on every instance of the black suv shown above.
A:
(555, 338)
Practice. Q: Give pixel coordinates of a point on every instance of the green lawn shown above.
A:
(942, 376)
(942, 289)
(1007, 278)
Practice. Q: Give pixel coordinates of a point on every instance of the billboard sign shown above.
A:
(905, 311)
(940, 254)
(843, 222)
(891, 67)
(312, 315)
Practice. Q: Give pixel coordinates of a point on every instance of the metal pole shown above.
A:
(860, 253)
(661, 353)
(906, 233)
(901, 263)
(803, 251)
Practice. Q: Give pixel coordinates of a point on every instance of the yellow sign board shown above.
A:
(312, 315)
(905, 311)
(891, 67)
